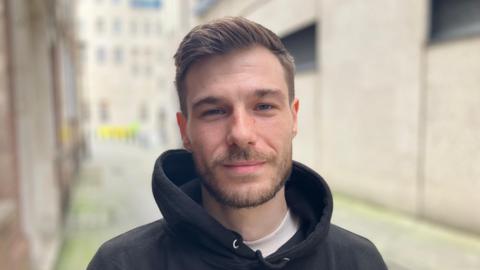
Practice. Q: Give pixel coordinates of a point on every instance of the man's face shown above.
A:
(240, 125)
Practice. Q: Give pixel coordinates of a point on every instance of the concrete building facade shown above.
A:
(389, 100)
(41, 143)
(125, 74)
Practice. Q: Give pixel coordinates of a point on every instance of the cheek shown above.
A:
(278, 132)
(205, 139)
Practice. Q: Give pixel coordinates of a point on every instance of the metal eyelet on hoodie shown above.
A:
(286, 259)
(235, 244)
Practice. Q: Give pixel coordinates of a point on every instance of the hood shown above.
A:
(176, 189)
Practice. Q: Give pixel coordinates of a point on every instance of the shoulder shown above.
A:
(117, 252)
(343, 238)
(354, 248)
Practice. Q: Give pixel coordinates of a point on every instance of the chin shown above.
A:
(243, 194)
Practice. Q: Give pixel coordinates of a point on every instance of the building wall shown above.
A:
(452, 150)
(139, 79)
(387, 116)
(35, 128)
(371, 68)
(70, 141)
(32, 110)
(6, 159)
(13, 247)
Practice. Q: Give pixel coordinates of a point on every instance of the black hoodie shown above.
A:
(189, 238)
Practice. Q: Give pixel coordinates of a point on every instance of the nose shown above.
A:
(241, 129)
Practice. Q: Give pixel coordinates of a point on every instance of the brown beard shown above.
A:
(236, 153)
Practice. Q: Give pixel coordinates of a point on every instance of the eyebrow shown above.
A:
(210, 100)
(268, 92)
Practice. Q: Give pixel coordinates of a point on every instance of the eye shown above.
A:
(213, 112)
(264, 107)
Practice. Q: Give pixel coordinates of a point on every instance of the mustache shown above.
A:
(242, 154)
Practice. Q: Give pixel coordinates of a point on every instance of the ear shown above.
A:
(294, 109)
(182, 126)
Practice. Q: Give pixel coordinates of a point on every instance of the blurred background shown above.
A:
(389, 115)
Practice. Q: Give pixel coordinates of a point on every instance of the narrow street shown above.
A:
(113, 195)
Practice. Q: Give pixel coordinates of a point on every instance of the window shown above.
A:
(100, 55)
(303, 47)
(117, 26)
(454, 19)
(133, 27)
(118, 55)
(146, 4)
(146, 28)
(100, 25)
(143, 112)
(103, 112)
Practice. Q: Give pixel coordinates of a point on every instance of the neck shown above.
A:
(250, 223)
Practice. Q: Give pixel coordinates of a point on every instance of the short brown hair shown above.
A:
(222, 36)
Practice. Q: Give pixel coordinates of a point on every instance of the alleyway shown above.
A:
(113, 195)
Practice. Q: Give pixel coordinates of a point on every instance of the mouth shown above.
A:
(244, 167)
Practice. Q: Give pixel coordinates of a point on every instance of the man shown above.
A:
(234, 199)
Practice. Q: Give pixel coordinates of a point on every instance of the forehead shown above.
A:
(235, 74)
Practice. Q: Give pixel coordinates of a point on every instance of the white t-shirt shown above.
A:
(274, 240)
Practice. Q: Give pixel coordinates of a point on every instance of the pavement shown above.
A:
(112, 195)
(406, 242)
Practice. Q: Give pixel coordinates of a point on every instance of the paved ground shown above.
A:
(407, 243)
(113, 195)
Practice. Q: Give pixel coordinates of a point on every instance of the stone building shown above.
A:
(40, 139)
(389, 97)
(127, 64)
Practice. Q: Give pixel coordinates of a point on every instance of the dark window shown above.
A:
(303, 47)
(452, 19)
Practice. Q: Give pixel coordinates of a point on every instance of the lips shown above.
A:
(244, 167)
